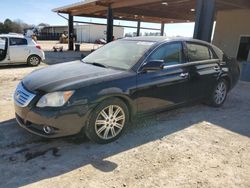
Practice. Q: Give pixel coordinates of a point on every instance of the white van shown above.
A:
(18, 49)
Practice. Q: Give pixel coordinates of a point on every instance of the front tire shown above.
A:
(107, 121)
(34, 60)
(219, 93)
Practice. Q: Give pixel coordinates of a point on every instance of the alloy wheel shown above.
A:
(34, 60)
(110, 122)
(220, 93)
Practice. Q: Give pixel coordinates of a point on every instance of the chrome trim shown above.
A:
(204, 62)
(22, 97)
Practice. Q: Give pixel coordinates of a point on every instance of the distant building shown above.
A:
(54, 29)
(232, 33)
(52, 32)
(84, 33)
(91, 33)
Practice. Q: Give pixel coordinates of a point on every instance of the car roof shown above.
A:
(160, 39)
(16, 35)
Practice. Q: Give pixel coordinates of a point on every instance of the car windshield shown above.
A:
(121, 54)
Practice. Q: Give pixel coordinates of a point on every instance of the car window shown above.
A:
(2, 43)
(18, 41)
(218, 52)
(171, 54)
(197, 52)
(2, 40)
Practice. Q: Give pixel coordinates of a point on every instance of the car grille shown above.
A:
(22, 97)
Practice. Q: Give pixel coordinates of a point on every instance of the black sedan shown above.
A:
(100, 94)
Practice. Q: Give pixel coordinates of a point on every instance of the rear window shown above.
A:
(218, 52)
(18, 41)
(198, 52)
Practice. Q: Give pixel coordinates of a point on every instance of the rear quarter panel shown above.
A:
(234, 70)
(36, 51)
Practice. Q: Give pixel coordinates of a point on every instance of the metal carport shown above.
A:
(203, 12)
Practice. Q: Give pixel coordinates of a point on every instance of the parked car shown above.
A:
(100, 94)
(17, 49)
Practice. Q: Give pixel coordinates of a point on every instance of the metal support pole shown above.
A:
(162, 28)
(204, 22)
(70, 33)
(110, 24)
(138, 28)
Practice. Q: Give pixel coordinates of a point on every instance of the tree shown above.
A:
(23, 24)
(43, 25)
(7, 26)
(13, 26)
(1, 27)
(16, 28)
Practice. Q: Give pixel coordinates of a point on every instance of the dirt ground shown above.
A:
(65, 56)
(196, 146)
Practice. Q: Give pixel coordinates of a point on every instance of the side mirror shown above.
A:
(153, 65)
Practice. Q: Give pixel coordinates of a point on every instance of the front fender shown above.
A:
(115, 92)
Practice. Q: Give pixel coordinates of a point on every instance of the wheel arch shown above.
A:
(33, 55)
(129, 103)
(228, 80)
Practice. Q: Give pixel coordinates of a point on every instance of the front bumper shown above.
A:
(63, 121)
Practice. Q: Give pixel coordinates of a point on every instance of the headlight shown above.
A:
(55, 99)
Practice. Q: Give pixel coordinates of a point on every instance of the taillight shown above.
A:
(39, 47)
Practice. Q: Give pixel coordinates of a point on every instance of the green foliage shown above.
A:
(12, 26)
(43, 24)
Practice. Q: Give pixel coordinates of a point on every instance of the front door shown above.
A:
(18, 50)
(163, 88)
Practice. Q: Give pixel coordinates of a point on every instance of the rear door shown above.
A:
(167, 87)
(18, 49)
(204, 68)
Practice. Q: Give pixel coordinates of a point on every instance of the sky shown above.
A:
(39, 11)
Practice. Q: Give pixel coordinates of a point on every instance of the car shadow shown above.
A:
(58, 156)
(15, 66)
(36, 159)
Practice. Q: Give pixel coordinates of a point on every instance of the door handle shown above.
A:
(184, 75)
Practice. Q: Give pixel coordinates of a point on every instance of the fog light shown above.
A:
(47, 129)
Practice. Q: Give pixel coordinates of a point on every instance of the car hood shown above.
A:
(66, 76)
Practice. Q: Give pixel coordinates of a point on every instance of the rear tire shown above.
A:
(107, 121)
(219, 93)
(34, 60)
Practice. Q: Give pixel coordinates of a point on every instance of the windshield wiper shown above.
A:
(96, 64)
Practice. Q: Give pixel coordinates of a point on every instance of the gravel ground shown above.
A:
(48, 45)
(65, 56)
(194, 146)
